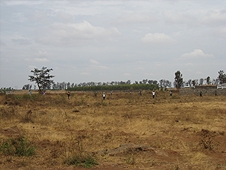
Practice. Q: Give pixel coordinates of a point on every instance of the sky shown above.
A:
(111, 40)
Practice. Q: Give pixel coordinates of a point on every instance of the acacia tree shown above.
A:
(42, 78)
(222, 77)
(208, 80)
(178, 80)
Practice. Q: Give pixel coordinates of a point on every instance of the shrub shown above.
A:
(18, 147)
(82, 160)
(207, 139)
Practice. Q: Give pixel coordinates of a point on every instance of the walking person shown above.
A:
(104, 95)
(153, 94)
(68, 95)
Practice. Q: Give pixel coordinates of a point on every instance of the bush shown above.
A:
(18, 147)
(85, 161)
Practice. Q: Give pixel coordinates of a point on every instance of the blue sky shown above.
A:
(106, 40)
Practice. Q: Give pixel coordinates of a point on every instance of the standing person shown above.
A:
(104, 96)
(200, 93)
(171, 93)
(68, 95)
(153, 94)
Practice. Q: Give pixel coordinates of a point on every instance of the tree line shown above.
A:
(43, 81)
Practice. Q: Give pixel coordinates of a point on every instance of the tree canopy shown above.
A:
(178, 79)
(42, 78)
(222, 77)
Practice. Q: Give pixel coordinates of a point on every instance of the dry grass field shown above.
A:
(125, 131)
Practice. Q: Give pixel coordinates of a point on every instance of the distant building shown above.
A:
(221, 86)
(206, 87)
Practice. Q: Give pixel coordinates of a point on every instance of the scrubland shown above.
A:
(124, 131)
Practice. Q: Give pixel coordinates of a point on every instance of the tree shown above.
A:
(208, 80)
(27, 87)
(201, 81)
(164, 83)
(178, 80)
(189, 82)
(222, 77)
(195, 82)
(42, 78)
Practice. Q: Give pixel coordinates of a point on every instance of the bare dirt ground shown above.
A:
(125, 131)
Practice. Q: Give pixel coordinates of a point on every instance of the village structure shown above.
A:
(204, 89)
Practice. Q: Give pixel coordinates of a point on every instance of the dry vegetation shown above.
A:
(126, 131)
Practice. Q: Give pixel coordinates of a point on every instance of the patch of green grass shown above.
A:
(18, 147)
(86, 161)
(130, 160)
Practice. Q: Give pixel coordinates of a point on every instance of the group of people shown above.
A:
(104, 95)
(153, 94)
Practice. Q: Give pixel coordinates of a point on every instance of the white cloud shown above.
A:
(127, 74)
(215, 17)
(136, 18)
(41, 60)
(85, 73)
(21, 41)
(31, 67)
(140, 68)
(2, 43)
(157, 38)
(39, 17)
(93, 61)
(22, 2)
(41, 53)
(96, 65)
(197, 53)
(189, 64)
(60, 33)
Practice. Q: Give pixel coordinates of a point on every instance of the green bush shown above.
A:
(18, 147)
(85, 161)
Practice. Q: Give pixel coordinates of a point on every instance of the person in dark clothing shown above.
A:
(68, 95)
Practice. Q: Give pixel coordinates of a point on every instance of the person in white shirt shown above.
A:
(153, 94)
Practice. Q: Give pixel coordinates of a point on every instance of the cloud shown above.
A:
(212, 18)
(39, 17)
(196, 54)
(220, 32)
(127, 74)
(96, 65)
(64, 17)
(85, 73)
(40, 53)
(2, 43)
(135, 19)
(93, 61)
(175, 17)
(31, 67)
(189, 64)
(215, 17)
(21, 41)
(41, 60)
(22, 2)
(157, 38)
(60, 33)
